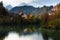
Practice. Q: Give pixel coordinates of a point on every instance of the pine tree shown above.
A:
(3, 11)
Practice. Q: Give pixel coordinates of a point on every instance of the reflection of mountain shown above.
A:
(9, 7)
(31, 9)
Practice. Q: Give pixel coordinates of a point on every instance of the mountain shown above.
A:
(30, 9)
(24, 9)
(9, 7)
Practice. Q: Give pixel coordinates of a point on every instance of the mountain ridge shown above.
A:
(31, 9)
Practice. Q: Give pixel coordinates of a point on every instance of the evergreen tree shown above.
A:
(3, 11)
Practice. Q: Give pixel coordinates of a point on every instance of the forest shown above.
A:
(45, 20)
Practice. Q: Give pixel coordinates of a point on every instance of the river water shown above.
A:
(16, 36)
(9, 33)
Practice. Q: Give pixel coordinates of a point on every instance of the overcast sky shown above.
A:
(35, 3)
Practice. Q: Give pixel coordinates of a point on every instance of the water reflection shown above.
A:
(3, 34)
(50, 34)
(29, 32)
(15, 36)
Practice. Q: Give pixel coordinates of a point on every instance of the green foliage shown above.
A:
(54, 23)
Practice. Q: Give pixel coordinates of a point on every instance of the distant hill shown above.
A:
(31, 9)
(24, 9)
(44, 9)
(9, 7)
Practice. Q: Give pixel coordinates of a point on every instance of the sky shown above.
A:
(35, 3)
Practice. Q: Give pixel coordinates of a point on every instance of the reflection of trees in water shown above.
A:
(3, 34)
(45, 36)
(18, 28)
(55, 35)
(46, 33)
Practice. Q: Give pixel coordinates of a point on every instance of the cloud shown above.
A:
(47, 2)
(15, 2)
(35, 3)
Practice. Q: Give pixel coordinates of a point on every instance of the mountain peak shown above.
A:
(9, 7)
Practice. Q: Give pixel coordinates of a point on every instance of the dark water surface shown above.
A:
(28, 32)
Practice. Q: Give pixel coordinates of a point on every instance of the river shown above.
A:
(9, 33)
